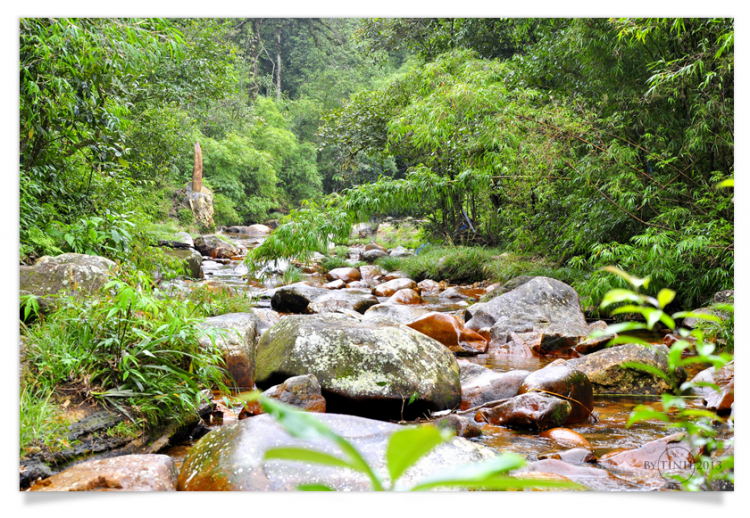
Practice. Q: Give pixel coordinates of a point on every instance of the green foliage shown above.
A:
(331, 262)
(126, 346)
(185, 216)
(291, 275)
(456, 264)
(109, 235)
(41, 423)
(405, 448)
(701, 434)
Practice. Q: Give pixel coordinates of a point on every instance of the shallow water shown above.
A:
(607, 434)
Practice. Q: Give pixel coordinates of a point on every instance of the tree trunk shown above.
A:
(278, 62)
(253, 53)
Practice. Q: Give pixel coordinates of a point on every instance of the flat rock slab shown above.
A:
(125, 473)
(365, 367)
(230, 458)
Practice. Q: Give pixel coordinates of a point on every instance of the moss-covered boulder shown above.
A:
(608, 374)
(236, 334)
(75, 273)
(191, 259)
(365, 367)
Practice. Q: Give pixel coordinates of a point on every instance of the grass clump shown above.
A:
(42, 422)
(331, 262)
(291, 275)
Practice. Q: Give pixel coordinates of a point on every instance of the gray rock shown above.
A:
(396, 313)
(365, 367)
(604, 369)
(511, 285)
(191, 258)
(371, 255)
(400, 251)
(75, 273)
(480, 385)
(184, 237)
(231, 458)
(212, 246)
(237, 336)
(302, 298)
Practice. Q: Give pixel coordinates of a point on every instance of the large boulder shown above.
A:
(608, 375)
(562, 380)
(124, 473)
(532, 411)
(498, 289)
(236, 335)
(212, 246)
(480, 385)
(449, 331)
(231, 457)
(75, 273)
(201, 203)
(364, 367)
(295, 298)
(190, 258)
(532, 306)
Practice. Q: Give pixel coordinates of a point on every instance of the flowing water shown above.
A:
(607, 434)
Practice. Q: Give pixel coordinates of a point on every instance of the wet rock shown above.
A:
(567, 437)
(389, 276)
(184, 238)
(231, 458)
(532, 411)
(344, 299)
(212, 246)
(591, 345)
(361, 230)
(449, 331)
(372, 245)
(692, 322)
(295, 298)
(573, 456)
(463, 426)
(371, 255)
(513, 344)
(480, 385)
(84, 274)
(397, 313)
(335, 285)
(724, 297)
(593, 478)
(721, 401)
(406, 296)
(236, 335)
(258, 230)
(371, 272)
(428, 286)
(191, 258)
(569, 383)
(125, 473)
(666, 453)
(364, 367)
(299, 391)
(359, 285)
(400, 251)
(391, 287)
(345, 274)
(266, 319)
(531, 307)
(498, 289)
(607, 375)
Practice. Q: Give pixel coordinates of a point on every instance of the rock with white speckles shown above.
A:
(236, 335)
(79, 273)
(365, 367)
(125, 473)
(231, 458)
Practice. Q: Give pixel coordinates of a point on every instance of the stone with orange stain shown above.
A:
(372, 245)
(448, 330)
(428, 285)
(665, 453)
(566, 437)
(406, 297)
(300, 391)
(125, 473)
(212, 246)
(389, 276)
(389, 288)
(559, 379)
(338, 284)
(480, 385)
(531, 411)
(371, 272)
(344, 274)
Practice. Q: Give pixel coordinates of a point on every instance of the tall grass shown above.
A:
(40, 421)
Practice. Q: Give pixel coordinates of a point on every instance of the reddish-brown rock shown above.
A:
(338, 284)
(372, 245)
(371, 272)
(429, 285)
(480, 385)
(560, 379)
(125, 473)
(300, 391)
(391, 287)
(449, 331)
(344, 274)
(395, 275)
(405, 297)
(566, 437)
(533, 411)
(664, 454)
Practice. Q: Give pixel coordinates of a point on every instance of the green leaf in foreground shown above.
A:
(407, 446)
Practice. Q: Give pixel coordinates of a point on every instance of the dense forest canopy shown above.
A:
(585, 141)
